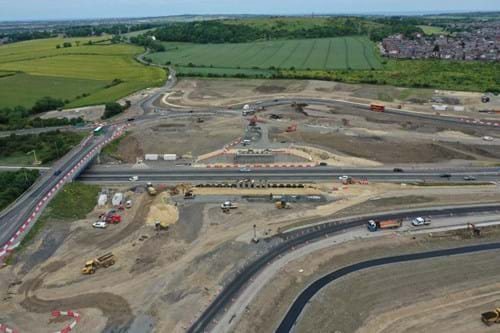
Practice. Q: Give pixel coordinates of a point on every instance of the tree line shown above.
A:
(13, 184)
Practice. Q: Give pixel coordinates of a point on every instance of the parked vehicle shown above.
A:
(229, 205)
(100, 225)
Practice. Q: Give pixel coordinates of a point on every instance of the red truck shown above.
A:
(377, 107)
(389, 224)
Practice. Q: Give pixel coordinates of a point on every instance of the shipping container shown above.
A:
(169, 157)
(151, 157)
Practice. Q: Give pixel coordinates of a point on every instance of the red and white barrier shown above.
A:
(71, 326)
(6, 249)
(6, 329)
(278, 166)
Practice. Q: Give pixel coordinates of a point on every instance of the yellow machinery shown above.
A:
(103, 261)
(282, 204)
(491, 317)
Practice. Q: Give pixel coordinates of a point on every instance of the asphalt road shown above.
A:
(305, 296)
(14, 216)
(186, 174)
(295, 239)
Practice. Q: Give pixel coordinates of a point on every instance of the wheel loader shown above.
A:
(491, 317)
(103, 261)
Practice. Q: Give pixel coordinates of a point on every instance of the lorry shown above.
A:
(282, 204)
(373, 225)
(377, 107)
(189, 195)
(103, 261)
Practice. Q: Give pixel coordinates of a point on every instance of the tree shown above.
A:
(46, 104)
(112, 109)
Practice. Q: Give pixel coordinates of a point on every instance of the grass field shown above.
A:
(68, 73)
(320, 54)
(431, 30)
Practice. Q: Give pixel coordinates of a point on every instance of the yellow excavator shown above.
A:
(491, 317)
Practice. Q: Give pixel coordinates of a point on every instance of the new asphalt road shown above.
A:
(187, 174)
(296, 239)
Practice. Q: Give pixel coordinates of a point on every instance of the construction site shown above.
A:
(153, 255)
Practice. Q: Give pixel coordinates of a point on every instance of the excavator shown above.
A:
(491, 317)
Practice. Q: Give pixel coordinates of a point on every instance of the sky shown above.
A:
(71, 9)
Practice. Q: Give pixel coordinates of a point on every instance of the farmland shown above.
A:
(320, 54)
(80, 74)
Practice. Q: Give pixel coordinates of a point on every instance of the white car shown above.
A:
(134, 178)
(245, 170)
(100, 225)
(228, 205)
(419, 221)
(343, 177)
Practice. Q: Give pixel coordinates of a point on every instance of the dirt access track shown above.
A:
(227, 92)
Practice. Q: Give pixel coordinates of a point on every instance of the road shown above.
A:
(13, 217)
(301, 301)
(297, 238)
(187, 174)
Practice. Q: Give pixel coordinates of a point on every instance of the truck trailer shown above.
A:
(373, 225)
(377, 107)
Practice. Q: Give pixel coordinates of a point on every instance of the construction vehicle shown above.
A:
(491, 317)
(291, 128)
(373, 225)
(151, 190)
(346, 180)
(113, 219)
(103, 261)
(474, 230)
(377, 107)
(282, 204)
(189, 195)
(160, 225)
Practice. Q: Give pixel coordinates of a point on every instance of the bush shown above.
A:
(46, 104)
(112, 109)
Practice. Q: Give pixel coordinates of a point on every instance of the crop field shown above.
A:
(81, 74)
(320, 54)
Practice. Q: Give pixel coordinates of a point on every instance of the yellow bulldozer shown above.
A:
(103, 261)
(491, 317)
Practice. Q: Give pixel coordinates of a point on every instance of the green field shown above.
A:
(432, 30)
(68, 73)
(316, 54)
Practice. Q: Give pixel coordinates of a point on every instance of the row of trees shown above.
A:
(112, 109)
(13, 184)
(49, 146)
(238, 32)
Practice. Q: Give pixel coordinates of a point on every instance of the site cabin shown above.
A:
(389, 224)
(377, 107)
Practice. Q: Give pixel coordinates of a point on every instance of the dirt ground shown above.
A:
(436, 295)
(225, 92)
(184, 137)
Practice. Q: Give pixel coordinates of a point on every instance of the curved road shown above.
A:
(305, 296)
(295, 239)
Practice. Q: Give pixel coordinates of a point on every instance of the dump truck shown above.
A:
(377, 107)
(282, 204)
(151, 190)
(103, 261)
(491, 317)
(373, 225)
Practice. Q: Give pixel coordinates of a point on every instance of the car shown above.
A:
(420, 221)
(445, 175)
(323, 164)
(245, 170)
(469, 178)
(134, 178)
(229, 205)
(100, 225)
(57, 173)
(130, 119)
(344, 177)
(397, 170)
